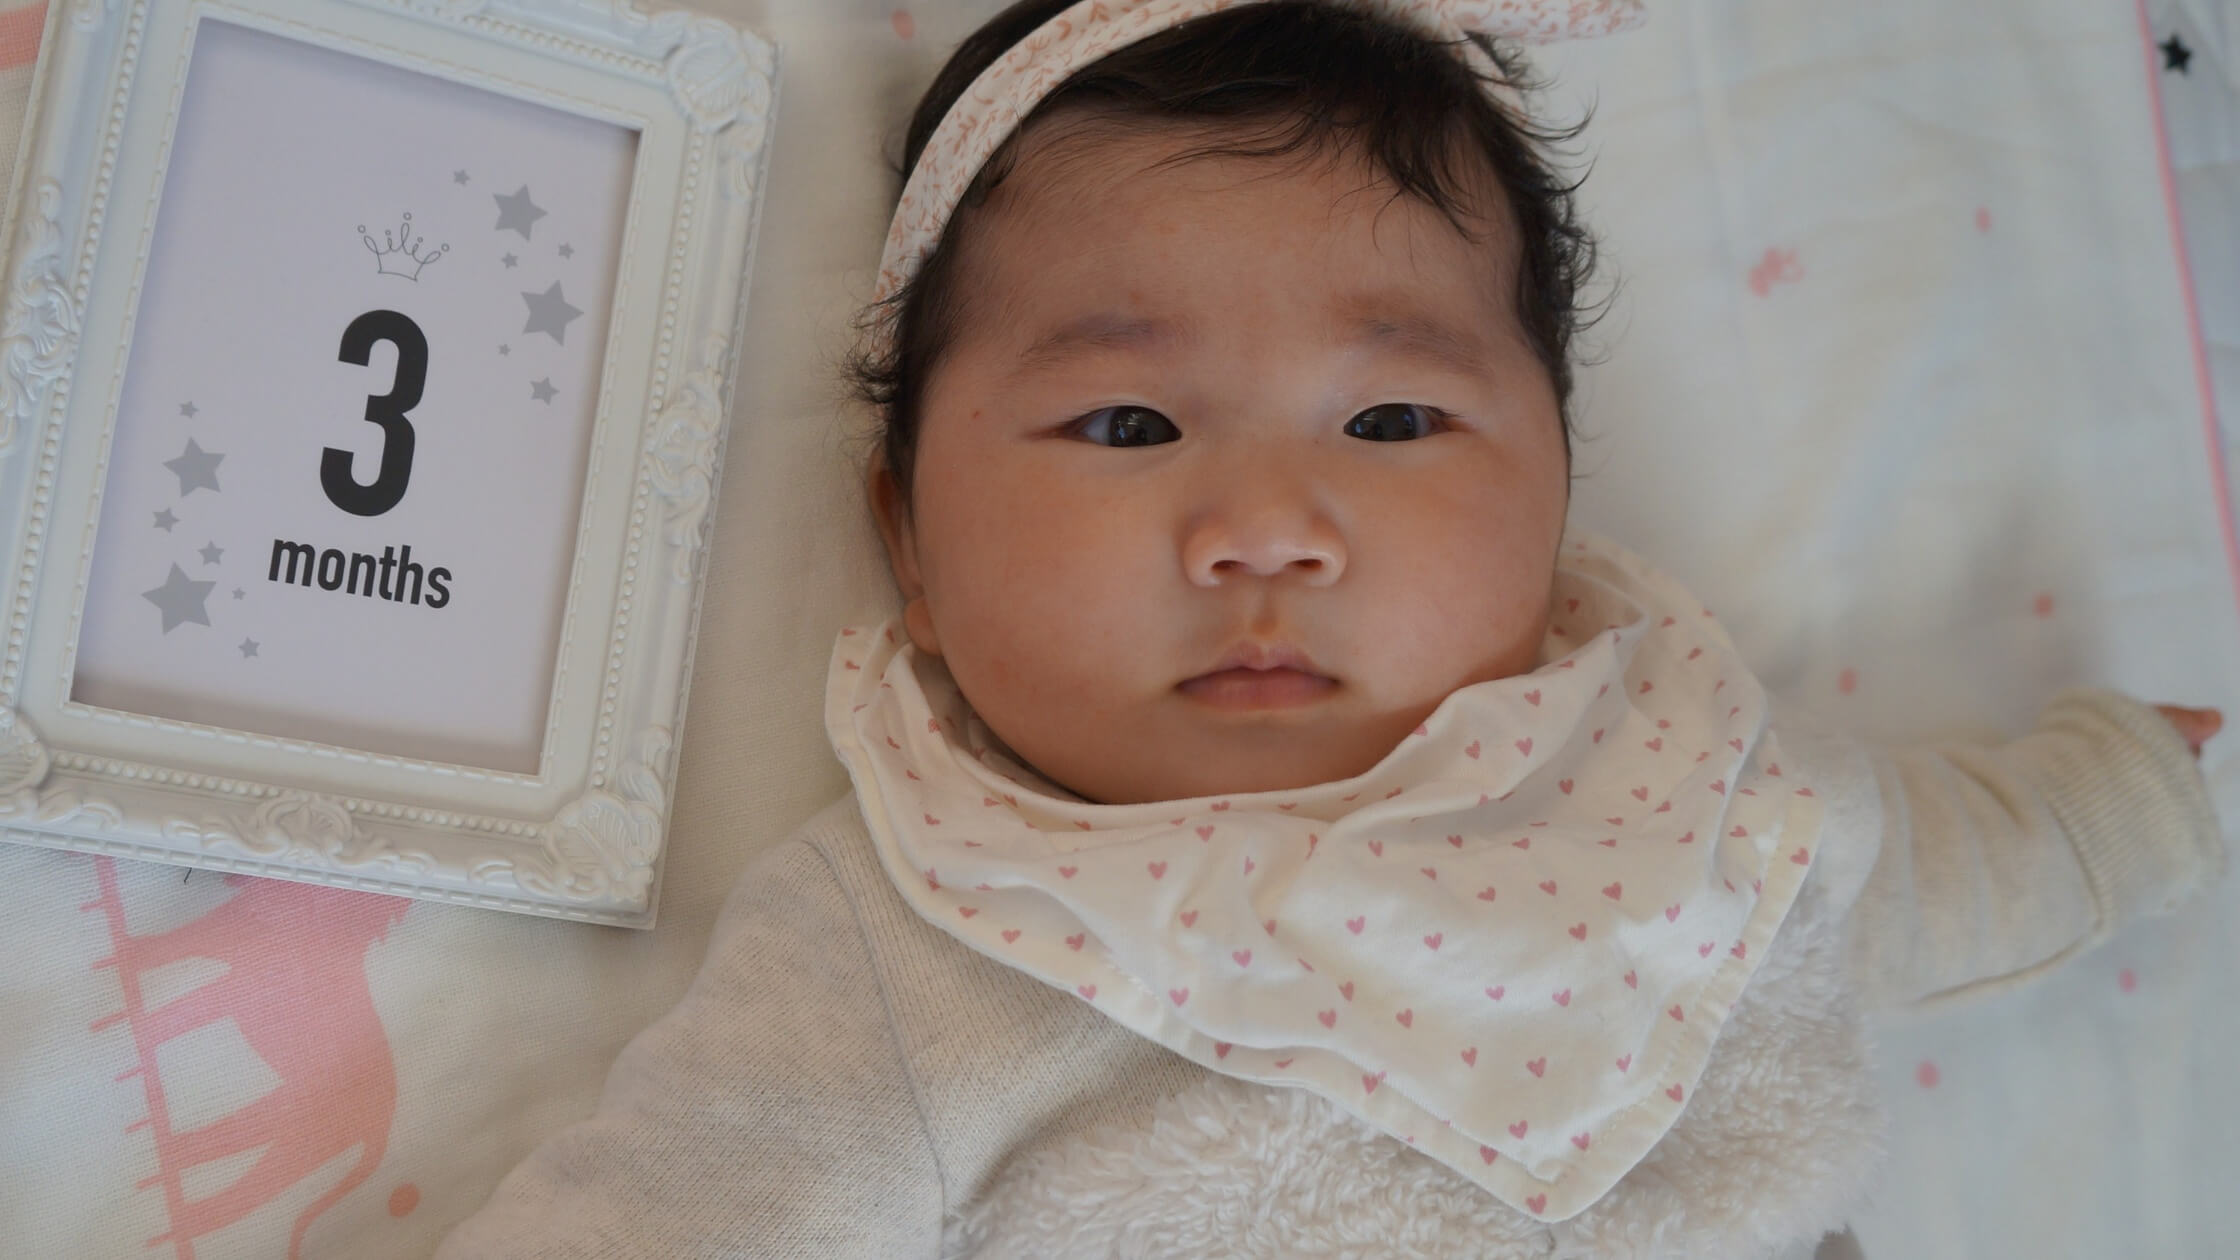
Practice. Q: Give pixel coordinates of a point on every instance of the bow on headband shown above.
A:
(1007, 91)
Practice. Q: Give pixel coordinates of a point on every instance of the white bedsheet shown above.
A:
(1961, 461)
(1902, 376)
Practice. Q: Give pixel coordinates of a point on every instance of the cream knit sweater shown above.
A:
(842, 1079)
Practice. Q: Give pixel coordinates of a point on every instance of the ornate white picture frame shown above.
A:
(363, 388)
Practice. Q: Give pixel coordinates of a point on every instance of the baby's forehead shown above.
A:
(1058, 163)
(1081, 204)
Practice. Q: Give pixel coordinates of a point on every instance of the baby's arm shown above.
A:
(1999, 862)
(767, 1115)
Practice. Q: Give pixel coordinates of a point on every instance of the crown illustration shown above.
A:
(397, 253)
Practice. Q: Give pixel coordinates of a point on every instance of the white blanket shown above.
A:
(1902, 375)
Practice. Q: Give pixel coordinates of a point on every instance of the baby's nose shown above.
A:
(1293, 544)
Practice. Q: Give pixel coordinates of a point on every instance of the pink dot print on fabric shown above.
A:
(1983, 219)
(1847, 681)
(905, 26)
(1778, 266)
(2128, 981)
(1927, 1075)
(2042, 606)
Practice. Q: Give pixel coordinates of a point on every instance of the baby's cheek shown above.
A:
(1479, 595)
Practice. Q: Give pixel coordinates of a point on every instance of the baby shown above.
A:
(1272, 833)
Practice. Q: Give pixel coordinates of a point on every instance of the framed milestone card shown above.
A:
(363, 384)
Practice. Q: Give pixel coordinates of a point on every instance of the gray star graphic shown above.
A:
(165, 520)
(503, 348)
(238, 593)
(211, 552)
(248, 648)
(510, 261)
(567, 251)
(542, 390)
(516, 211)
(458, 177)
(180, 598)
(188, 409)
(196, 468)
(549, 313)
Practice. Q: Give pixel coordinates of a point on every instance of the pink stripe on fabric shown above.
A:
(2211, 430)
(19, 35)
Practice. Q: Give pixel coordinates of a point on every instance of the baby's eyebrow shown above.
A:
(1415, 333)
(1100, 330)
(1418, 334)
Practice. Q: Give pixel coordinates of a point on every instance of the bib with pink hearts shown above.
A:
(1511, 943)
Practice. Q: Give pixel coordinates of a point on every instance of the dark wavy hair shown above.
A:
(1280, 78)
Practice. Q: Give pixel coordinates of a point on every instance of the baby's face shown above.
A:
(1223, 402)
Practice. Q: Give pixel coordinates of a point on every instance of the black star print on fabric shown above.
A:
(2175, 55)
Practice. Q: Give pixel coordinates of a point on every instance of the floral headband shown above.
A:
(1007, 91)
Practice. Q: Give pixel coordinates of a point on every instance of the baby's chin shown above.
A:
(1183, 749)
(1181, 776)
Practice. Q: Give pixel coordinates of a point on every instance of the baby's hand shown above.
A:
(2198, 726)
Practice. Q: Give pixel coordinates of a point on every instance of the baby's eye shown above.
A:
(1130, 426)
(1388, 422)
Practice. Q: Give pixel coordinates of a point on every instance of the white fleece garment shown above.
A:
(844, 1080)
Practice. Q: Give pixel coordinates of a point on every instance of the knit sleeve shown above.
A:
(768, 1115)
(2000, 862)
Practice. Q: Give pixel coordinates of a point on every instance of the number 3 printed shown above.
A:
(387, 410)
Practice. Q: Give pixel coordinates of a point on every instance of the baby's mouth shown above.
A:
(1260, 674)
(1242, 688)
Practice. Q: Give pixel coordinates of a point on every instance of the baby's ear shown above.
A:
(902, 556)
(885, 501)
